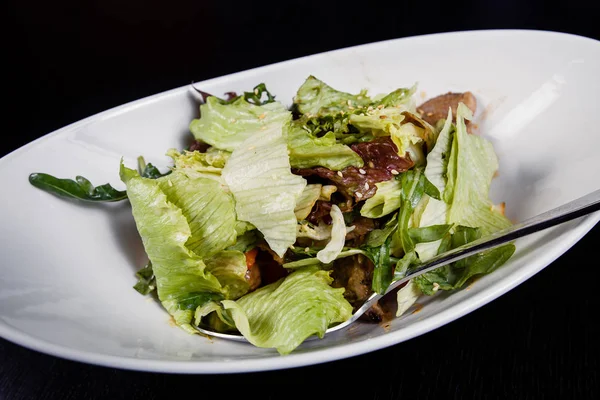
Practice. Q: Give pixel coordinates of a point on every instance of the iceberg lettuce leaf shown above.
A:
(283, 314)
(307, 150)
(386, 200)
(473, 168)
(265, 190)
(173, 230)
(229, 266)
(338, 237)
(227, 126)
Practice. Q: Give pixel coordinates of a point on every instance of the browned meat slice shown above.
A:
(362, 226)
(355, 274)
(437, 108)
(200, 146)
(381, 163)
(320, 211)
(270, 264)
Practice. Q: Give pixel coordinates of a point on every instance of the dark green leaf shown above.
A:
(147, 281)
(428, 233)
(431, 190)
(383, 272)
(255, 96)
(461, 236)
(80, 188)
(193, 300)
(404, 264)
(149, 170)
(377, 237)
(486, 263)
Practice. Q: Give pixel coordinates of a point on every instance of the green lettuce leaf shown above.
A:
(229, 266)
(436, 210)
(283, 314)
(265, 190)
(385, 201)
(200, 165)
(181, 221)
(338, 237)
(227, 126)
(307, 150)
(316, 97)
(307, 200)
(407, 296)
(472, 170)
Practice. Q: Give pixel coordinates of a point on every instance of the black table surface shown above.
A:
(68, 60)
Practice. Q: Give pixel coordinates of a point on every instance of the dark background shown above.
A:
(67, 61)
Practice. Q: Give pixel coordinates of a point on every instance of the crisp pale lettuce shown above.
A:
(227, 126)
(265, 190)
(307, 200)
(283, 314)
(229, 266)
(181, 221)
(307, 150)
(436, 211)
(200, 165)
(385, 201)
(407, 296)
(338, 237)
(408, 131)
(210, 211)
(472, 169)
(316, 98)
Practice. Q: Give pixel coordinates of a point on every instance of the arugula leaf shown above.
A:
(149, 170)
(80, 188)
(428, 233)
(147, 280)
(383, 273)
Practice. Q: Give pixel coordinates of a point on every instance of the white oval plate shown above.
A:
(67, 269)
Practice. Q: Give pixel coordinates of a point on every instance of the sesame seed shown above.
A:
(362, 171)
(394, 172)
(350, 108)
(370, 108)
(340, 174)
(262, 128)
(170, 183)
(342, 113)
(358, 195)
(292, 247)
(359, 98)
(429, 114)
(366, 185)
(262, 116)
(420, 111)
(371, 164)
(255, 91)
(349, 102)
(436, 286)
(307, 249)
(379, 107)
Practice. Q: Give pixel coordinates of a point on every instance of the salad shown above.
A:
(278, 222)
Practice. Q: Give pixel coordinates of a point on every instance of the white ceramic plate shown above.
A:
(67, 269)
